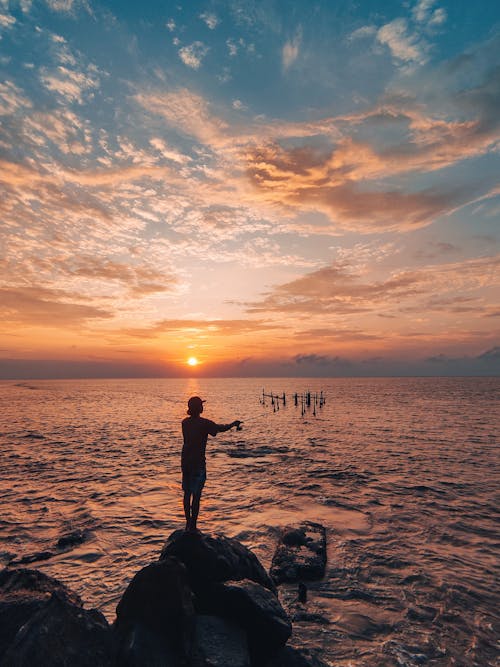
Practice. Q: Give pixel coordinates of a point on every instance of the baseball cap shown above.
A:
(195, 404)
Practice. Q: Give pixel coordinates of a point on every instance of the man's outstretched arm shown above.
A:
(227, 427)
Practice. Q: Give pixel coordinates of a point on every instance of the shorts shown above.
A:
(193, 481)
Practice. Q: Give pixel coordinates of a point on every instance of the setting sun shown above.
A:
(192, 361)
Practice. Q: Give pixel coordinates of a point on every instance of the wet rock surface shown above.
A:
(292, 657)
(257, 610)
(220, 642)
(210, 559)
(61, 633)
(154, 615)
(300, 554)
(43, 623)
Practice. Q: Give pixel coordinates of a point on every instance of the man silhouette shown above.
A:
(195, 432)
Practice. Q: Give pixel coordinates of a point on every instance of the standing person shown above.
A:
(195, 431)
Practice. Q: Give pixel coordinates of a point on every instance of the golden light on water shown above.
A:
(192, 361)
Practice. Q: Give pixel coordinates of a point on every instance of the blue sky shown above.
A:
(272, 187)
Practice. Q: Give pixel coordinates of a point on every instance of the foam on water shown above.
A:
(402, 472)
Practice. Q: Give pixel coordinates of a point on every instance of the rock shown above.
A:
(422, 613)
(300, 554)
(292, 657)
(33, 558)
(61, 634)
(255, 609)
(72, 539)
(212, 559)
(143, 646)
(218, 643)
(23, 593)
(155, 614)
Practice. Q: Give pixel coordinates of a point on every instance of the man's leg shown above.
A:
(187, 508)
(195, 509)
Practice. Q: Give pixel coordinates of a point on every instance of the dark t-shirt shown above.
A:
(195, 431)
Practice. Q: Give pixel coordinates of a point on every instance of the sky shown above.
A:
(270, 188)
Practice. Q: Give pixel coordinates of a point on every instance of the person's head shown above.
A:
(195, 406)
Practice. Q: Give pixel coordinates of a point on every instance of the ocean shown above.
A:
(402, 472)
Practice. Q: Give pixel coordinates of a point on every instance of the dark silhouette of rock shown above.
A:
(206, 602)
(219, 642)
(154, 617)
(212, 559)
(300, 554)
(292, 657)
(59, 634)
(43, 623)
(257, 610)
(23, 593)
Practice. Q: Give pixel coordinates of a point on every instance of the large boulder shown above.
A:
(23, 593)
(43, 623)
(212, 559)
(255, 609)
(154, 616)
(300, 554)
(59, 634)
(218, 642)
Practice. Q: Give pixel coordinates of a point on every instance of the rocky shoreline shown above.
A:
(207, 601)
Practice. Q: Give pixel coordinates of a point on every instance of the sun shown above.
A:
(192, 361)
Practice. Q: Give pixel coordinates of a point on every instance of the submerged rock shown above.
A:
(210, 559)
(66, 542)
(300, 554)
(43, 623)
(33, 558)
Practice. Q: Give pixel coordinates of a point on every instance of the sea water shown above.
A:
(402, 472)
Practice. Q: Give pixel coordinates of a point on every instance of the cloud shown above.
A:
(290, 50)
(6, 21)
(60, 5)
(307, 179)
(193, 54)
(186, 111)
(403, 45)
(363, 32)
(407, 39)
(491, 355)
(202, 327)
(37, 306)
(423, 12)
(210, 19)
(12, 99)
(167, 152)
(69, 84)
(337, 289)
(137, 279)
